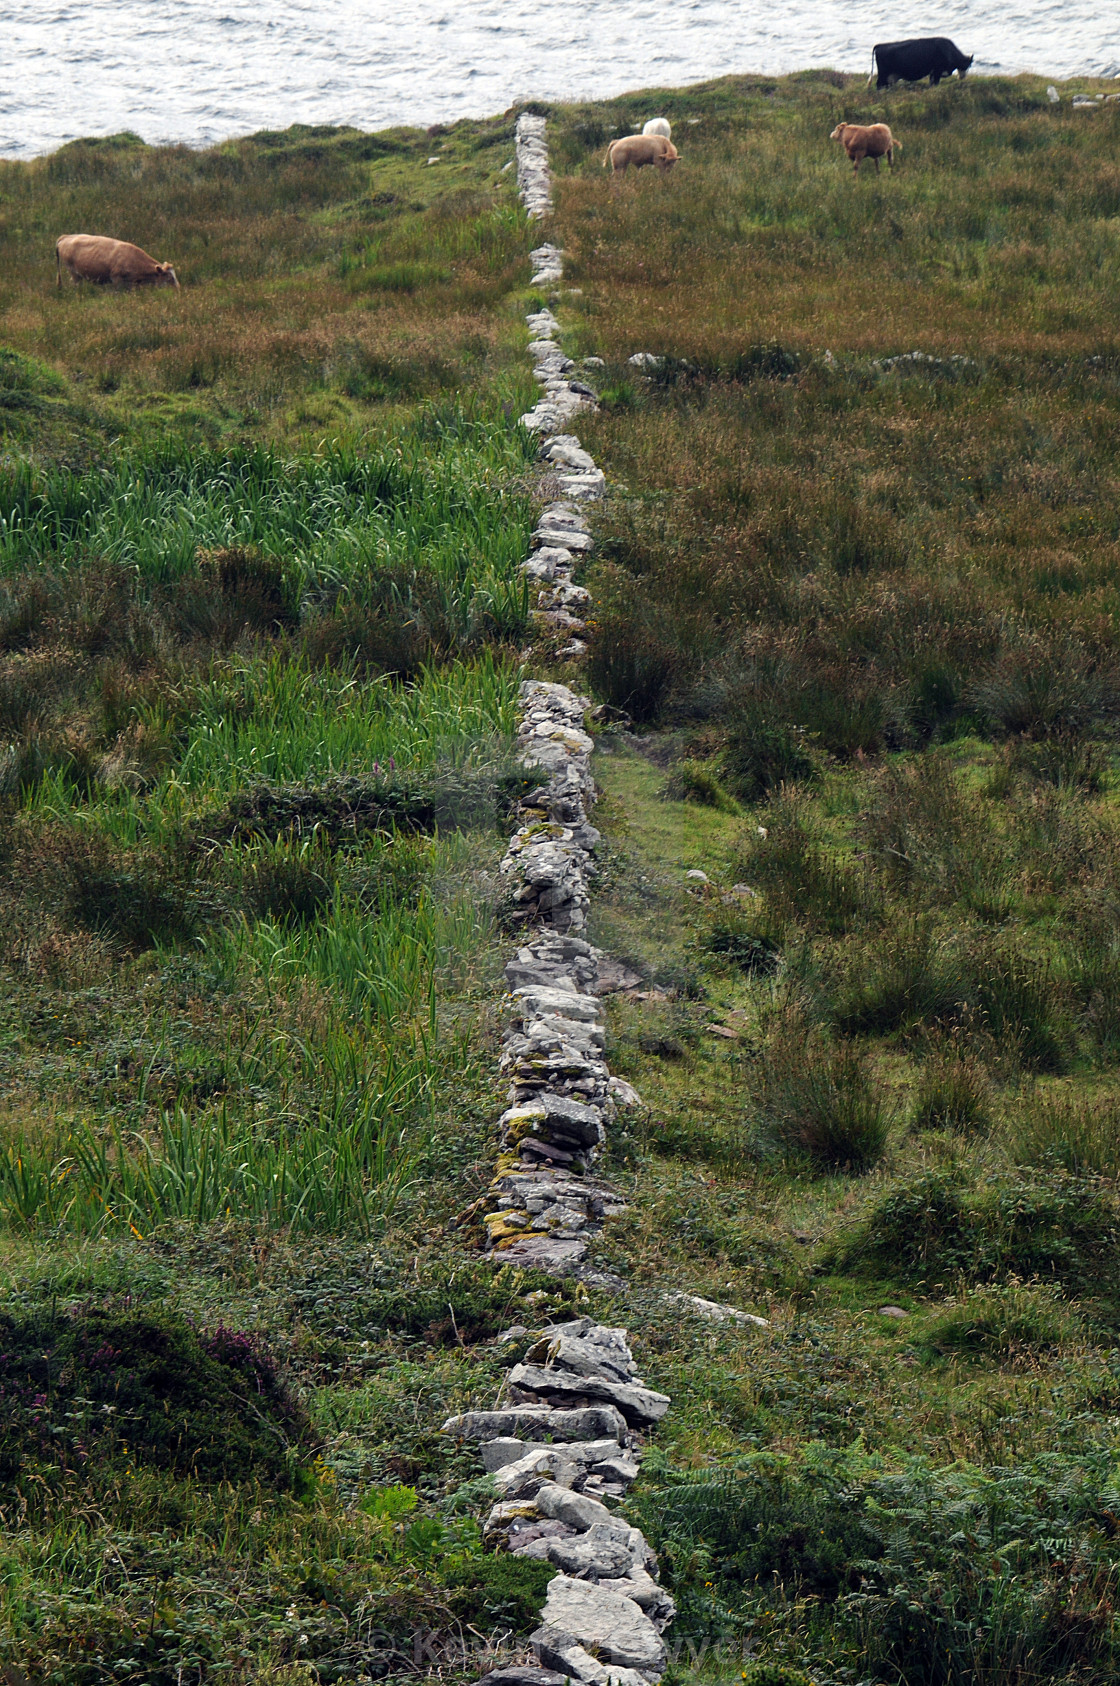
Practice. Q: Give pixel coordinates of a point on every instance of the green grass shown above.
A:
(328, 277)
(261, 612)
(261, 627)
(867, 598)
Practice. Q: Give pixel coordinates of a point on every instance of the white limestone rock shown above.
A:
(714, 1311)
(610, 1624)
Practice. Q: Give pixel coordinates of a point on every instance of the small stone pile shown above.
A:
(561, 539)
(570, 1437)
(564, 393)
(533, 180)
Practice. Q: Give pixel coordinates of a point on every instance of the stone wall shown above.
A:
(567, 1439)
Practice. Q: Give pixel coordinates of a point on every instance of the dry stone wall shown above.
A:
(567, 1439)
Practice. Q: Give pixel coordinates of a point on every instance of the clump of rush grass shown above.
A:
(1079, 1132)
(945, 1225)
(693, 780)
(803, 880)
(954, 1090)
(745, 939)
(820, 1101)
(1010, 1321)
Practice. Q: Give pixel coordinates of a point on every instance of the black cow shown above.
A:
(934, 56)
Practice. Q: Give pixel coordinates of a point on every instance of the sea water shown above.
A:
(203, 70)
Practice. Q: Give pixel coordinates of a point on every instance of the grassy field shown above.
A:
(260, 634)
(857, 589)
(260, 615)
(326, 275)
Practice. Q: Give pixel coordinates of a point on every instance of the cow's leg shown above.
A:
(934, 78)
(876, 163)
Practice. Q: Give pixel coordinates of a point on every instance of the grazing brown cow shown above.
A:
(640, 150)
(110, 263)
(872, 140)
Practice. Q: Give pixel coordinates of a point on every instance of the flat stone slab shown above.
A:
(576, 1509)
(586, 1559)
(641, 1406)
(570, 537)
(613, 1626)
(714, 1311)
(523, 1674)
(541, 1252)
(569, 1003)
(584, 1358)
(595, 1422)
(578, 1664)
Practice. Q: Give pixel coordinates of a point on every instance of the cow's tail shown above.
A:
(607, 159)
(897, 145)
(874, 67)
(57, 265)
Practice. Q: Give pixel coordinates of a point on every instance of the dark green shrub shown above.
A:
(1023, 1006)
(23, 608)
(937, 1228)
(921, 826)
(1079, 1133)
(139, 901)
(1004, 1319)
(856, 540)
(906, 978)
(768, 359)
(377, 637)
(843, 713)
(463, 1304)
(763, 751)
(91, 1388)
(775, 1674)
(915, 977)
(1094, 971)
(499, 1591)
(1065, 760)
(802, 880)
(345, 808)
(1040, 689)
(255, 588)
(934, 698)
(932, 1576)
(695, 781)
(744, 940)
(639, 652)
(292, 885)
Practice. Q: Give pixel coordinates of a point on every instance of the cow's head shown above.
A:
(838, 132)
(962, 70)
(166, 276)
